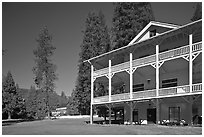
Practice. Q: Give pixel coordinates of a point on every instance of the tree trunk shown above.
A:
(9, 115)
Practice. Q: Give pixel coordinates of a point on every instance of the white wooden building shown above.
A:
(159, 73)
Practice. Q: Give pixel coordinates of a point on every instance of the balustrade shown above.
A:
(100, 99)
(101, 72)
(151, 93)
(197, 47)
(143, 61)
(197, 87)
(174, 90)
(123, 96)
(144, 94)
(120, 67)
(174, 53)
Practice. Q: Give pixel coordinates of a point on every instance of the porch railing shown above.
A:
(174, 90)
(197, 46)
(174, 53)
(120, 67)
(101, 72)
(197, 87)
(123, 96)
(143, 61)
(144, 94)
(100, 99)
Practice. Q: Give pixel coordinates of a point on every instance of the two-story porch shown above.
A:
(155, 79)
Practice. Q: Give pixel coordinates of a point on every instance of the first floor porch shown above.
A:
(181, 110)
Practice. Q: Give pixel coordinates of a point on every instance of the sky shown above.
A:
(22, 22)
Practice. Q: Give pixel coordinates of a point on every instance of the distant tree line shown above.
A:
(27, 103)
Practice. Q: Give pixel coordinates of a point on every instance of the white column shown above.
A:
(157, 85)
(131, 77)
(157, 70)
(92, 90)
(190, 62)
(109, 76)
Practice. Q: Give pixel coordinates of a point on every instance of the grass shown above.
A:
(79, 127)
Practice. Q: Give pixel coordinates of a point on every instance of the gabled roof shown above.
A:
(151, 23)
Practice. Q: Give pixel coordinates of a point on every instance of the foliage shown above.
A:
(71, 105)
(8, 95)
(95, 42)
(63, 100)
(128, 20)
(20, 109)
(198, 12)
(36, 105)
(45, 70)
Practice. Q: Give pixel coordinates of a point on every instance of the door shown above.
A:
(151, 115)
(135, 116)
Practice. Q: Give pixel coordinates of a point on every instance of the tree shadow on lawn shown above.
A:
(105, 122)
(15, 121)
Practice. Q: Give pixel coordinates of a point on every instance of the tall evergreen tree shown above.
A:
(8, 95)
(95, 42)
(128, 20)
(198, 12)
(45, 70)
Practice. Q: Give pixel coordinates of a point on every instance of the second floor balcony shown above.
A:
(140, 62)
(147, 94)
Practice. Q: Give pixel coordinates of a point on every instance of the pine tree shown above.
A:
(95, 42)
(8, 95)
(45, 70)
(20, 109)
(128, 20)
(198, 12)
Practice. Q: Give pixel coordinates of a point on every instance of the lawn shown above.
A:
(79, 127)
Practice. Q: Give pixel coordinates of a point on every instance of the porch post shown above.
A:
(92, 88)
(131, 77)
(157, 85)
(109, 78)
(109, 107)
(190, 62)
(131, 111)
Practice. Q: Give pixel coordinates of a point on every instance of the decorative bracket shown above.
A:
(94, 78)
(186, 57)
(160, 63)
(194, 55)
(153, 65)
(112, 74)
(107, 76)
(128, 71)
(134, 69)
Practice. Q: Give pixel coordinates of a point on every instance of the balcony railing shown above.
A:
(123, 96)
(197, 46)
(167, 55)
(174, 53)
(100, 99)
(144, 94)
(172, 91)
(143, 61)
(120, 67)
(101, 72)
(197, 87)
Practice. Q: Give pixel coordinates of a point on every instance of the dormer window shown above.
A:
(152, 33)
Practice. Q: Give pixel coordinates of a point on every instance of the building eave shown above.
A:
(140, 42)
